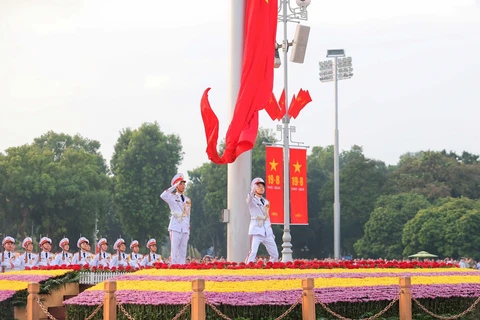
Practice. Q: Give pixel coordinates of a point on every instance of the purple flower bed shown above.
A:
(326, 295)
(293, 276)
(23, 277)
(6, 294)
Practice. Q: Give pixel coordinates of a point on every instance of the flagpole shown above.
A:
(239, 172)
(287, 254)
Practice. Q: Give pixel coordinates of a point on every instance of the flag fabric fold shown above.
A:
(298, 103)
(256, 84)
(273, 109)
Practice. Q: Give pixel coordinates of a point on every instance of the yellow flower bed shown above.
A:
(269, 272)
(50, 273)
(293, 283)
(13, 285)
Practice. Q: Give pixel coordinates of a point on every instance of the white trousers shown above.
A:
(178, 249)
(268, 242)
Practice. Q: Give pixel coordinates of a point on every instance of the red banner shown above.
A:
(274, 183)
(298, 186)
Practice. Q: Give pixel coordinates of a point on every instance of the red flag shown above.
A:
(273, 108)
(274, 183)
(283, 108)
(303, 98)
(256, 84)
(298, 186)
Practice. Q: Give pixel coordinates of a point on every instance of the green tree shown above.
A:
(383, 231)
(144, 161)
(448, 229)
(361, 182)
(54, 191)
(436, 175)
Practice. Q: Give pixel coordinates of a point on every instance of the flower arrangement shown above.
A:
(14, 281)
(282, 286)
(240, 289)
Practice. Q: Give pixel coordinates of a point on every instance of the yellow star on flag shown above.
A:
(273, 165)
(297, 167)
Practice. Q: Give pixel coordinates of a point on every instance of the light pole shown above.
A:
(339, 69)
(288, 14)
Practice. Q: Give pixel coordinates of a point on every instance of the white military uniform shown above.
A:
(9, 260)
(28, 259)
(102, 259)
(260, 229)
(63, 258)
(82, 257)
(45, 258)
(135, 260)
(151, 258)
(179, 226)
(121, 258)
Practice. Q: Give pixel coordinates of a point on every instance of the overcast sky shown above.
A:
(94, 67)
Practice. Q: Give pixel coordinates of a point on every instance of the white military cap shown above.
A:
(118, 243)
(101, 241)
(151, 242)
(178, 178)
(63, 242)
(26, 241)
(82, 240)
(7, 239)
(257, 181)
(133, 244)
(44, 240)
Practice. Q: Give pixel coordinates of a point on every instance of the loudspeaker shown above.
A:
(300, 41)
(277, 61)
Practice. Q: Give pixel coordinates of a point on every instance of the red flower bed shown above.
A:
(297, 264)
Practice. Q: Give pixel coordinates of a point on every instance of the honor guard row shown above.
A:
(11, 260)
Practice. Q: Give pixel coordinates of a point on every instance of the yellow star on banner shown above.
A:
(297, 167)
(273, 165)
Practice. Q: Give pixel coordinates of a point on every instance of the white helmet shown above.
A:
(178, 178)
(257, 181)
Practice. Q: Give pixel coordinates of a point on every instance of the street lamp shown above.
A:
(339, 69)
(288, 14)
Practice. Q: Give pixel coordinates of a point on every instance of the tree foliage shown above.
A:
(361, 182)
(447, 229)
(144, 162)
(383, 231)
(56, 186)
(436, 175)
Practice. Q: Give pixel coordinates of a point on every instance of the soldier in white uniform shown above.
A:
(260, 229)
(102, 258)
(135, 257)
(9, 260)
(152, 257)
(28, 258)
(64, 258)
(120, 259)
(179, 226)
(45, 257)
(83, 256)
